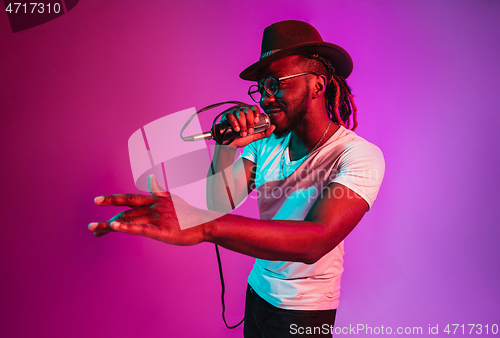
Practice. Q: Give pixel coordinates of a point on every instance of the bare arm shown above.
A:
(229, 183)
(328, 222)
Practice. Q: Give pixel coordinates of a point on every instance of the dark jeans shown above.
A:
(262, 320)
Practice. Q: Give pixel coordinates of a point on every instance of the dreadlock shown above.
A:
(339, 100)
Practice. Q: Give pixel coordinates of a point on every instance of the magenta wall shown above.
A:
(73, 90)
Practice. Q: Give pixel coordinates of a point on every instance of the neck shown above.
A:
(310, 135)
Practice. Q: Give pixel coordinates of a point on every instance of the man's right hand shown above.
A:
(243, 120)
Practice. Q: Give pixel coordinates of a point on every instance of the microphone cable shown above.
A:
(219, 140)
(221, 275)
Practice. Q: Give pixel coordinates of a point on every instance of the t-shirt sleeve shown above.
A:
(361, 169)
(251, 151)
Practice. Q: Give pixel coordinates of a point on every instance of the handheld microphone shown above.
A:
(223, 132)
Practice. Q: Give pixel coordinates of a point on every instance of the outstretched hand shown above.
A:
(152, 216)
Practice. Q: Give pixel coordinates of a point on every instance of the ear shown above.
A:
(319, 86)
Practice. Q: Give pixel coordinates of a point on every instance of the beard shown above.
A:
(295, 114)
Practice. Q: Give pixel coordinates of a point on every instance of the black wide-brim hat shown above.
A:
(293, 37)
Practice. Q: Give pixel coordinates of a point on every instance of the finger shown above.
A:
(150, 219)
(135, 212)
(134, 216)
(223, 119)
(231, 119)
(256, 112)
(154, 188)
(100, 227)
(263, 134)
(148, 230)
(269, 131)
(250, 119)
(129, 200)
(242, 121)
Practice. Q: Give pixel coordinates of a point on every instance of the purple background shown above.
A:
(72, 91)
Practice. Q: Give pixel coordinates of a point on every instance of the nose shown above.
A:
(266, 99)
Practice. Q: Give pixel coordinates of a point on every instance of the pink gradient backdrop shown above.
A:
(73, 90)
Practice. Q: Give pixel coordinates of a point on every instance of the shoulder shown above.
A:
(353, 156)
(359, 165)
(350, 145)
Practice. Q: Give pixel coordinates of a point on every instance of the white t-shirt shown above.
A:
(287, 190)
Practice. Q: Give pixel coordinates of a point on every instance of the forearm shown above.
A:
(224, 192)
(283, 240)
(223, 157)
(161, 216)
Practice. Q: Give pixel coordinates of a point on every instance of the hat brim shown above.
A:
(339, 58)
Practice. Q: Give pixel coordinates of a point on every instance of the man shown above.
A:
(315, 180)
